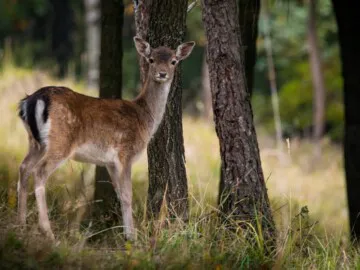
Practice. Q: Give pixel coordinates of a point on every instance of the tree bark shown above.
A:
(346, 13)
(243, 195)
(163, 23)
(61, 41)
(112, 16)
(249, 11)
(206, 92)
(93, 28)
(317, 79)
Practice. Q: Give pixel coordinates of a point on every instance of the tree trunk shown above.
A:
(92, 24)
(206, 92)
(248, 18)
(61, 41)
(318, 81)
(112, 16)
(346, 13)
(163, 23)
(272, 78)
(243, 195)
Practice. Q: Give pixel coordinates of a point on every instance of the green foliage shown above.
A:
(294, 78)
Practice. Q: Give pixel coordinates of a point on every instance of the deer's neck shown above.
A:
(153, 99)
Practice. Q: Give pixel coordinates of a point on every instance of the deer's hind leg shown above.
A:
(47, 165)
(26, 168)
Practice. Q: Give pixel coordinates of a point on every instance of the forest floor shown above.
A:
(308, 202)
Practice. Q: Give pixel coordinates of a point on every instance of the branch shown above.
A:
(191, 6)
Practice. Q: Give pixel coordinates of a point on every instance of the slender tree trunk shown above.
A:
(112, 16)
(243, 192)
(318, 81)
(272, 78)
(206, 92)
(346, 13)
(92, 24)
(112, 19)
(248, 18)
(163, 23)
(62, 26)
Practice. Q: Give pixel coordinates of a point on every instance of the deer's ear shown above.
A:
(142, 47)
(184, 50)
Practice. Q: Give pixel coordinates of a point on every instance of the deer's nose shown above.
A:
(162, 74)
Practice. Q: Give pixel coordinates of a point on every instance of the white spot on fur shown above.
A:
(92, 153)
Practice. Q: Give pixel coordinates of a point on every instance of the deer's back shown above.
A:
(69, 121)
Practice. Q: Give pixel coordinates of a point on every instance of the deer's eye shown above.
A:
(173, 62)
(151, 60)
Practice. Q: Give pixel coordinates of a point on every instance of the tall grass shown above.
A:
(308, 205)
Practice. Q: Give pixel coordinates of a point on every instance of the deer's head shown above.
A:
(162, 60)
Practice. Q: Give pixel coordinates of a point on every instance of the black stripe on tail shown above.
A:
(27, 110)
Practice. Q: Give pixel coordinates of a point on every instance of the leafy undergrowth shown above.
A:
(308, 202)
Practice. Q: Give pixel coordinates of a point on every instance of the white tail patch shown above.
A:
(42, 127)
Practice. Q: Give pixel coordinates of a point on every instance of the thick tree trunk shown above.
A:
(62, 25)
(243, 195)
(112, 16)
(92, 25)
(249, 11)
(318, 81)
(346, 13)
(163, 23)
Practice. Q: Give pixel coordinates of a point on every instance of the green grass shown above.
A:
(311, 237)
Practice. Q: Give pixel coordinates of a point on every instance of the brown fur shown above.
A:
(107, 132)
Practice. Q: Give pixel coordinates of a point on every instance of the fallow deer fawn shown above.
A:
(63, 124)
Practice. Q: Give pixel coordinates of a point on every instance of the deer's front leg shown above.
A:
(121, 178)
